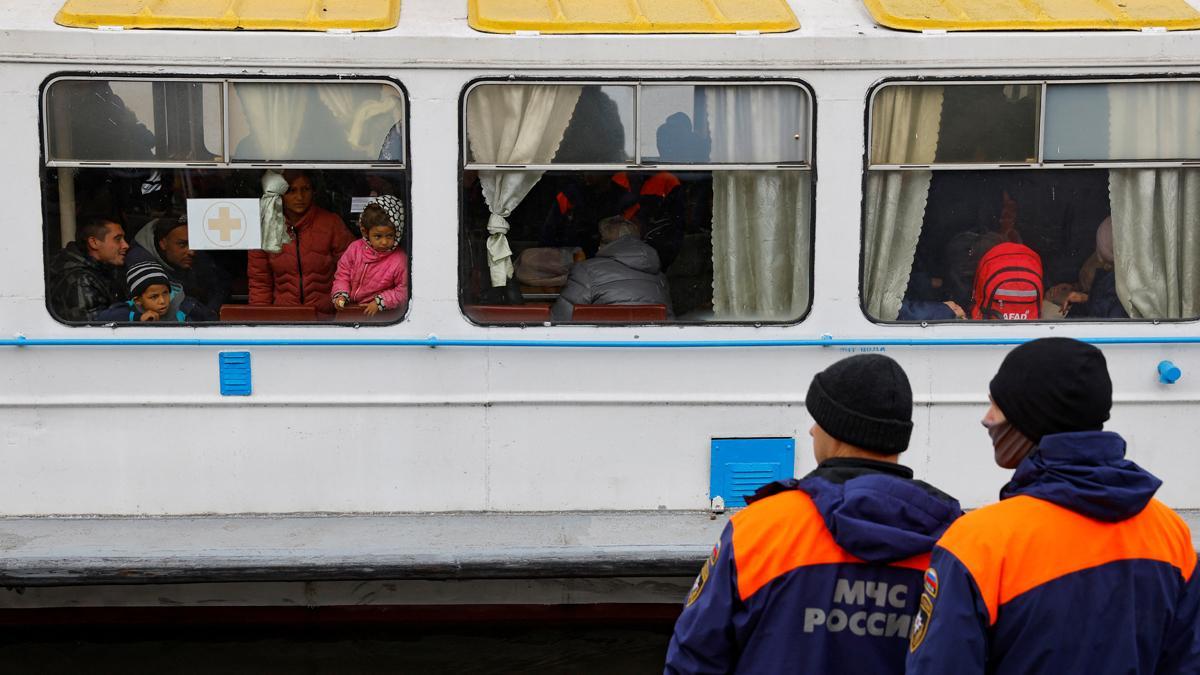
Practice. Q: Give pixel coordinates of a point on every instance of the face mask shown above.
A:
(1011, 446)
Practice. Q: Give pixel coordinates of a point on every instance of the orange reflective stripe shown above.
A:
(564, 204)
(778, 534)
(660, 184)
(1021, 543)
(632, 211)
(621, 179)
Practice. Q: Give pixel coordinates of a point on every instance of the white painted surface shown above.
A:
(125, 430)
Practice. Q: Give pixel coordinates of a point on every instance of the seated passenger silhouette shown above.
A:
(625, 271)
(1095, 295)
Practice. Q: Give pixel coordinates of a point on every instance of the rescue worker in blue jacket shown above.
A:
(1078, 569)
(822, 574)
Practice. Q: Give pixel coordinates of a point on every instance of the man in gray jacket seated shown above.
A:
(625, 271)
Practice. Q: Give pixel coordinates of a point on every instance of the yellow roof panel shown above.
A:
(631, 16)
(968, 15)
(315, 15)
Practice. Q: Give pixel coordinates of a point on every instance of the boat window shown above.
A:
(639, 202)
(129, 121)
(776, 135)
(267, 120)
(985, 221)
(1009, 113)
(1102, 122)
(244, 196)
(599, 129)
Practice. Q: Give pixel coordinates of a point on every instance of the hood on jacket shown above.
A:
(1086, 472)
(369, 254)
(875, 510)
(145, 239)
(632, 253)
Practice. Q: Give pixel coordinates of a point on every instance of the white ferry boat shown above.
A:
(813, 178)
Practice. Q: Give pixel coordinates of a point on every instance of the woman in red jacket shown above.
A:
(302, 272)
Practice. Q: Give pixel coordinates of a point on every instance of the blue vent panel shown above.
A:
(742, 465)
(235, 373)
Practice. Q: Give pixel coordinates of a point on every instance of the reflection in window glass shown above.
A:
(632, 245)
(124, 120)
(751, 124)
(1127, 121)
(601, 130)
(967, 124)
(317, 122)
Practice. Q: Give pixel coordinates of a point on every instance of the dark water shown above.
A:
(376, 649)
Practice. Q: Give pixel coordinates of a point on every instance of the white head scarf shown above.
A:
(270, 207)
(394, 208)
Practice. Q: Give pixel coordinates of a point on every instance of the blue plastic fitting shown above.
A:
(1168, 373)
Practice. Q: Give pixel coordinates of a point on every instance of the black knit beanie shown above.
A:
(1052, 386)
(143, 275)
(864, 400)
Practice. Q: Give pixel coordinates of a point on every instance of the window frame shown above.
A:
(402, 167)
(1041, 164)
(808, 166)
(229, 162)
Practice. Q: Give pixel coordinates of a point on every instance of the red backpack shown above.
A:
(1008, 284)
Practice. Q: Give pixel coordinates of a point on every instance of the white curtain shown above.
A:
(754, 124)
(761, 242)
(274, 113)
(514, 124)
(904, 130)
(365, 114)
(761, 219)
(1156, 212)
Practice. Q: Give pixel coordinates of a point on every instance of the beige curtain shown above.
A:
(761, 224)
(761, 244)
(514, 124)
(1156, 212)
(365, 113)
(275, 113)
(904, 130)
(755, 124)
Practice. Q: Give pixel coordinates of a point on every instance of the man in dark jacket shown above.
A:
(1078, 569)
(625, 271)
(822, 574)
(82, 279)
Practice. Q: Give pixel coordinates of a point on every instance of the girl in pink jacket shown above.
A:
(373, 272)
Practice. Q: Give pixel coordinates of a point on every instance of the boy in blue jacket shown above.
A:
(1078, 569)
(822, 574)
(150, 297)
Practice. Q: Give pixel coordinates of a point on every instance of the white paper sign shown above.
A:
(215, 224)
